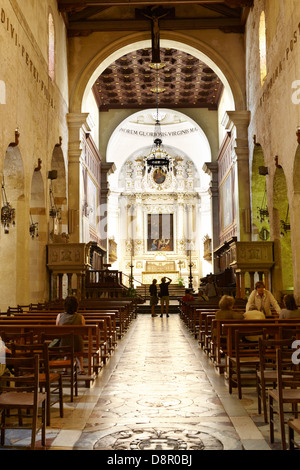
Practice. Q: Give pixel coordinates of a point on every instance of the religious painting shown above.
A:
(159, 176)
(160, 232)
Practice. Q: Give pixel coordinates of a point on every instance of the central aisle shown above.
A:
(159, 392)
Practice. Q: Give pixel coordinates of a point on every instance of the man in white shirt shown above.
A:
(262, 300)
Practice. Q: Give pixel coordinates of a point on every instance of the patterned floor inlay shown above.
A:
(154, 439)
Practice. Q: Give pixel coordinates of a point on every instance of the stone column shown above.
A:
(238, 122)
(295, 241)
(77, 123)
(107, 168)
(212, 170)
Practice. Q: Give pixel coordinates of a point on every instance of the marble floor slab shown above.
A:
(158, 391)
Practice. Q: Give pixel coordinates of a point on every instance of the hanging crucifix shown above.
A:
(155, 32)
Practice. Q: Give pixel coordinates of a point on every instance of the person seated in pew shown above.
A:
(290, 309)
(261, 299)
(201, 295)
(188, 296)
(72, 317)
(253, 315)
(4, 352)
(226, 311)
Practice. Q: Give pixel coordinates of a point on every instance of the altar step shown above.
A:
(144, 309)
(175, 290)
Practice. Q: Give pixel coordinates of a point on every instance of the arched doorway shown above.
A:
(178, 204)
(80, 95)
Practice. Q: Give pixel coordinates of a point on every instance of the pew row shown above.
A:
(91, 332)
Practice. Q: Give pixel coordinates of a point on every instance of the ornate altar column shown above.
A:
(139, 233)
(180, 225)
(238, 121)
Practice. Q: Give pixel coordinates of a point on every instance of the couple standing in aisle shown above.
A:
(163, 294)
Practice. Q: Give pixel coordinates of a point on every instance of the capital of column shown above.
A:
(107, 168)
(77, 123)
(79, 120)
(239, 119)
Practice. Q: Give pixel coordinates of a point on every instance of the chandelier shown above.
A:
(7, 212)
(33, 228)
(54, 212)
(285, 225)
(263, 212)
(158, 157)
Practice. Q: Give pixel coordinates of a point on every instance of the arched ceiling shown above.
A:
(185, 80)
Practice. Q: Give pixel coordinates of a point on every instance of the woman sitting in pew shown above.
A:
(72, 317)
(290, 309)
(226, 311)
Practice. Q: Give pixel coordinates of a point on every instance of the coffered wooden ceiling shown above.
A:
(129, 82)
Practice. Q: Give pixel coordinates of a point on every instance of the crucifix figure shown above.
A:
(155, 32)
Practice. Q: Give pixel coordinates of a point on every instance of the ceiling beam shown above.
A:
(69, 5)
(174, 24)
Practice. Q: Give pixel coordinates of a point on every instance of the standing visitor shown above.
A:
(164, 295)
(211, 290)
(153, 297)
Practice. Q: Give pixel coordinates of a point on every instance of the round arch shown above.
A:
(189, 139)
(118, 48)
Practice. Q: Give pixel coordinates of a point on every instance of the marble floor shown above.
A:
(157, 391)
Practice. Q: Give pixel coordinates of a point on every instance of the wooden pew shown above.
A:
(107, 328)
(273, 327)
(90, 331)
(100, 349)
(126, 309)
(190, 315)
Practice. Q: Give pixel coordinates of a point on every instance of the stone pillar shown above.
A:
(77, 123)
(60, 286)
(212, 170)
(106, 169)
(70, 275)
(238, 122)
(295, 241)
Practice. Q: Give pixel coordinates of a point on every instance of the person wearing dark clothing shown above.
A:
(164, 295)
(71, 317)
(153, 297)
